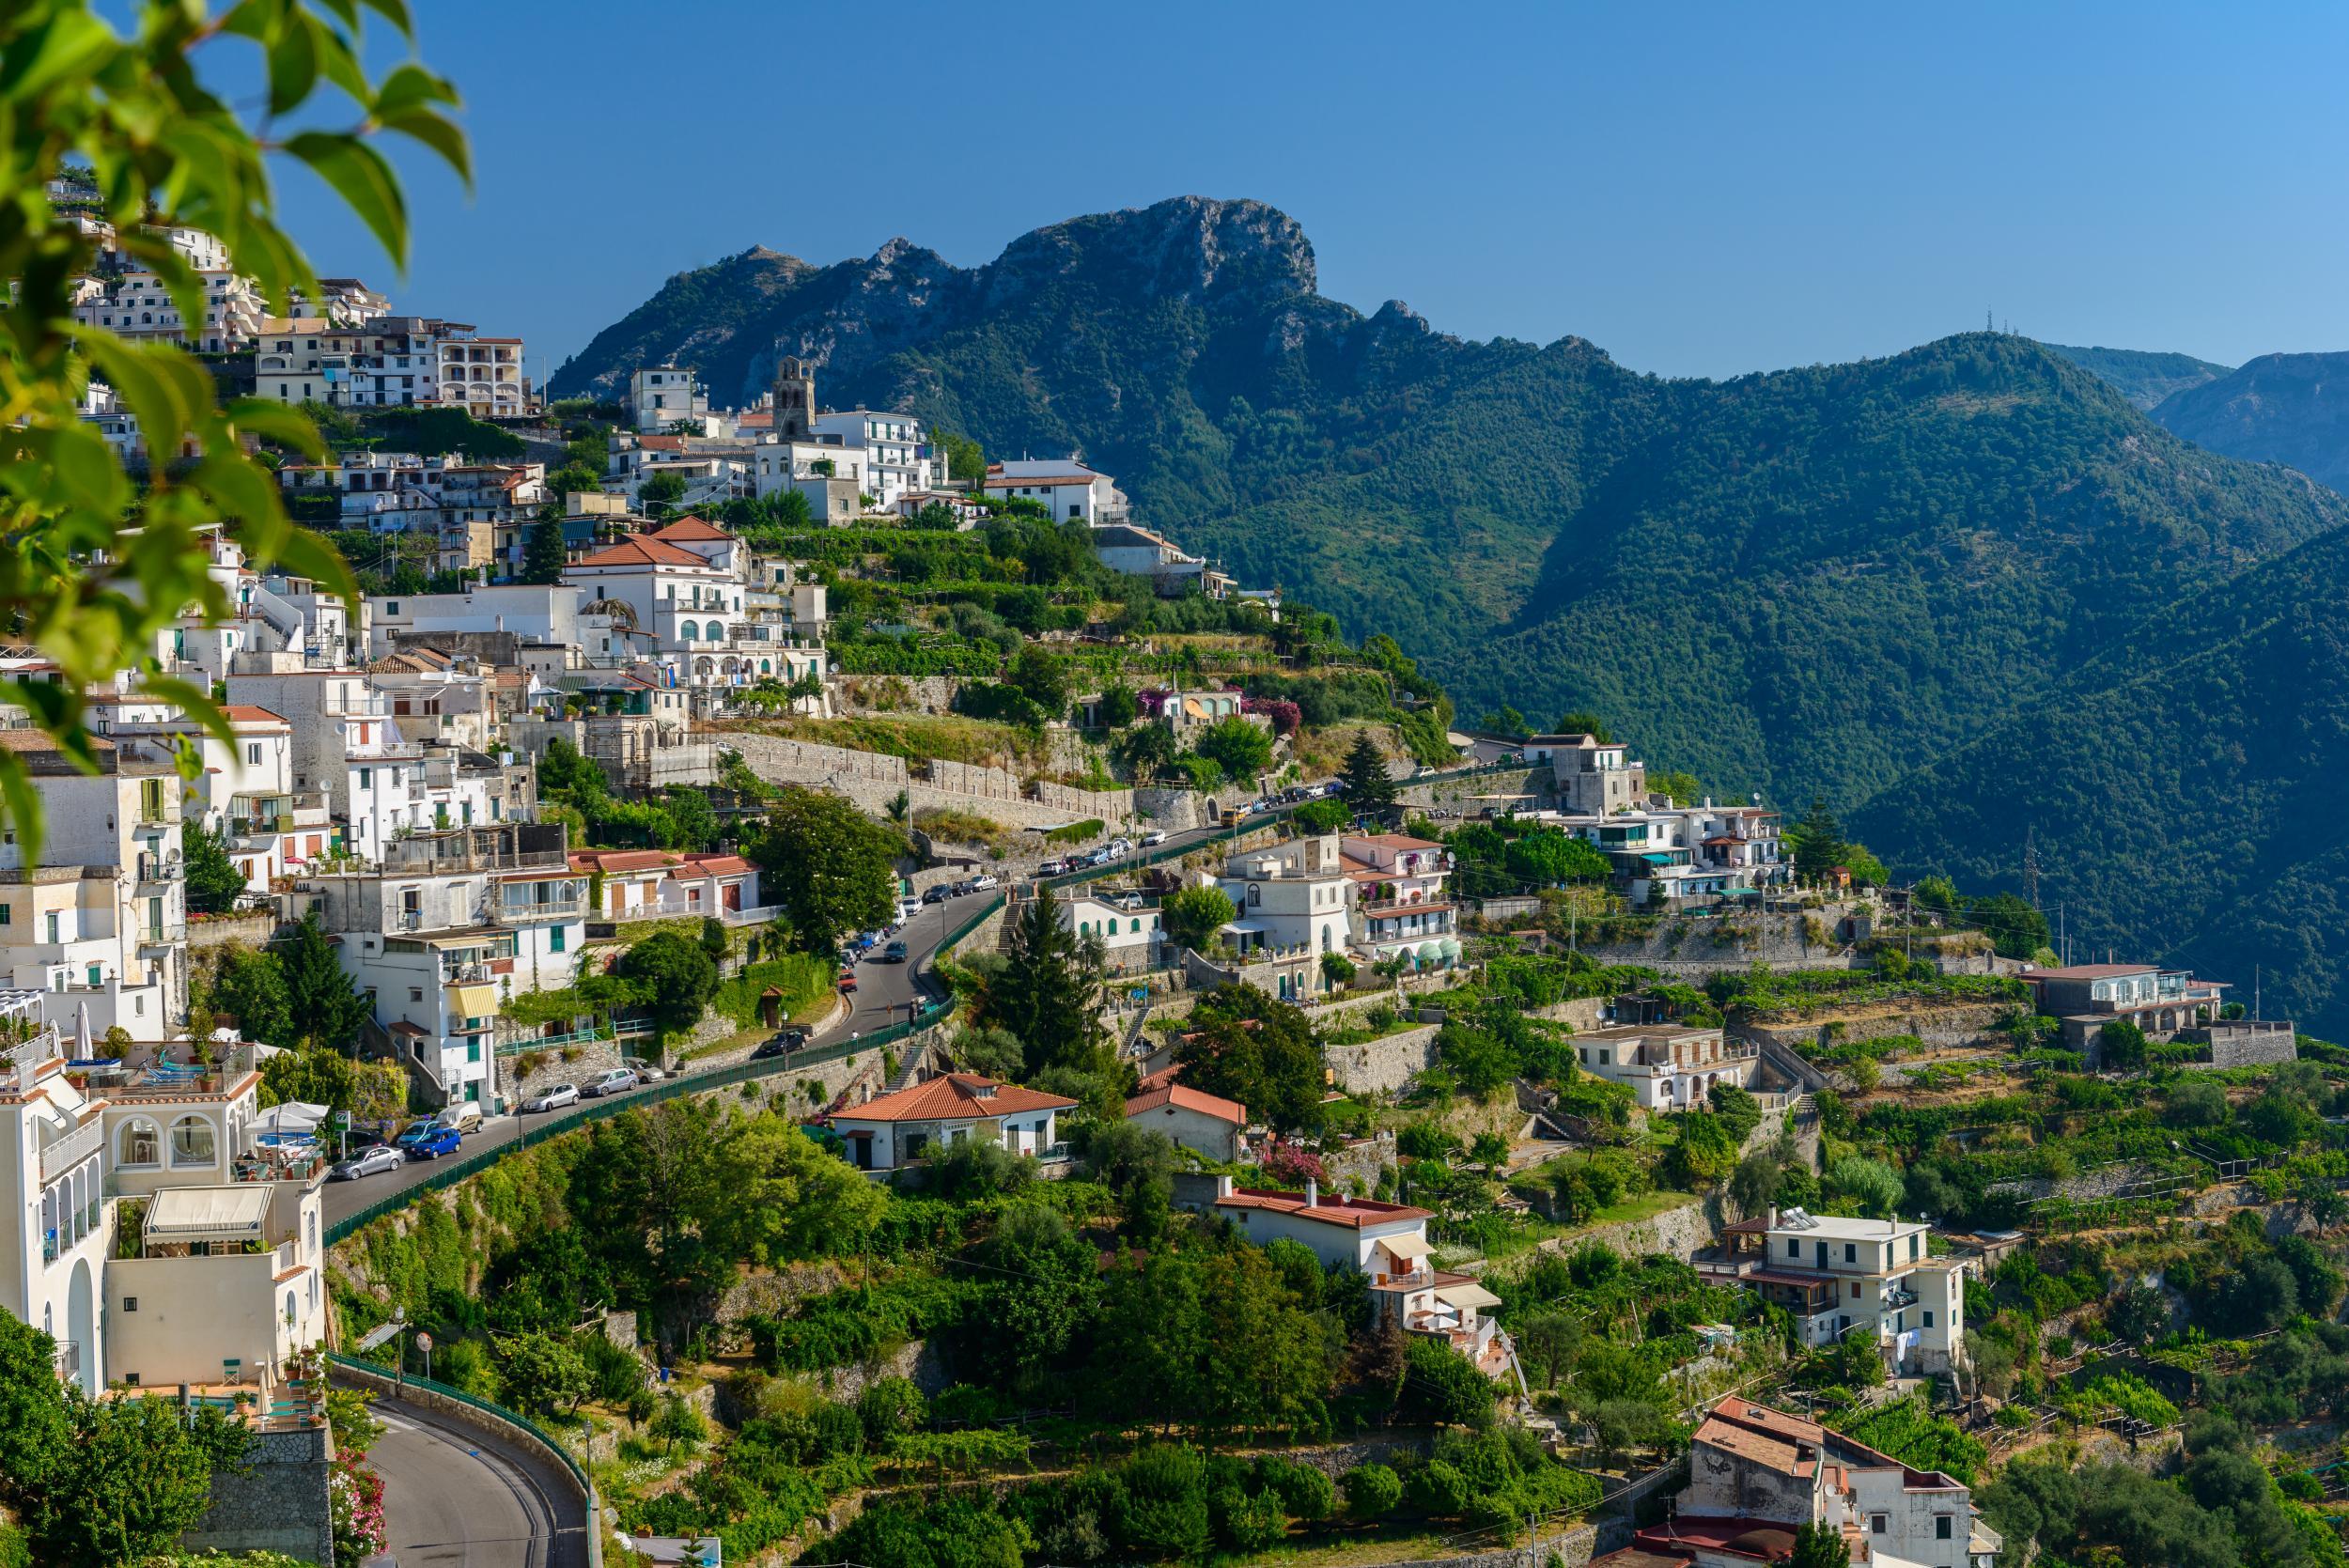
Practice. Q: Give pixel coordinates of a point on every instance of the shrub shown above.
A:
(1438, 1489)
(1371, 1491)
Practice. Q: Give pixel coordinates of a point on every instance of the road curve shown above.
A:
(456, 1498)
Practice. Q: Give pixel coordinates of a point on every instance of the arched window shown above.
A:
(142, 1143)
(192, 1141)
(293, 1311)
(1255, 894)
(1137, 925)
(691, 630)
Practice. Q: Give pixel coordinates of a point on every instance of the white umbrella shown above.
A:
(82, 1049)
(292, 1116)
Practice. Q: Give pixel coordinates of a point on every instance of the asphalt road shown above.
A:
(455, 1497)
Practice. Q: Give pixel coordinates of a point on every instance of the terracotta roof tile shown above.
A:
(1174, 1096)
(690, 528)
(1329, 1209)
(643, 549)
(954, 1096)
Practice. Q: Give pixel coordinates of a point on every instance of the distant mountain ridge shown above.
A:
(1816, 580)
(2291, 408)
(2144, 378)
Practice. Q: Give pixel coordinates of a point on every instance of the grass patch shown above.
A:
(921, 738)
(803, 977)
(953, 826)
(1075, 832)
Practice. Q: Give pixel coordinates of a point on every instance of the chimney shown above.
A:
(1312, 1192)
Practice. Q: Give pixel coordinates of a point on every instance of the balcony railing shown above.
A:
(66, 1358)
(70, 1150)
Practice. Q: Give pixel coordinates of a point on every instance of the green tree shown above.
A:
(1118, 706)
(1369, 789)
(1193, 916)
(832, 868)
(1372, 1492)
(658, 496)
(1042, 677)
(1550, 859)
(127, 129)
(542, 1373)
(1253, 1047)
(1321, 816)
(569, 477)
(1583, 721)
(1048, 992)
(1241, 749)
(544, 555)
(1819, 1546)
(964, 460)
(2013, 928)
(673, 975)
(786, 1197)
(312, 1075)
(249, 986)
(1818, 841)
(215, 883)
(327, 1008)
(1441, 1386)
(2121, 1046)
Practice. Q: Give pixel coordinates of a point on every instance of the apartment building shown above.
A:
(1291, 897)
(135, 305)
(447, 927)
(686, 606)
(661, 395)
(893, 451)
(1400, 910)
(1067, 489)
(481, 375)
(1839, 1275)
(57, 1230)
(1590, 775)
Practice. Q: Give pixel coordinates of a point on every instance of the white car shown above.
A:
(983, 883)
(1151, 840)
(646, 1072)
(554, 1098)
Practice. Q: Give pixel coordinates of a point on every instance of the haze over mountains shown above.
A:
(1938, 588)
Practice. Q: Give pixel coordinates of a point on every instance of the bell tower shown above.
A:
(795, 400)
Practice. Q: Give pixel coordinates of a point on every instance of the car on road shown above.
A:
(554, 1098)
(612, 1081)
(437, 1141)
(848, 980)
(1151, 840)
(783, 1043)
(414, 1133)
(983, 883)
(1051, 868)
(646, 1072)
(938, 894)
(367, 1163)
(894, 954)
(465, 1116)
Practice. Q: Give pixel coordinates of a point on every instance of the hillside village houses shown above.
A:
(1839, 1276)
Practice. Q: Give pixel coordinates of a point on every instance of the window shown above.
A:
(1794, 1248)
(1851, 1252)
(52, 926)
(367, 778)
(142, 1143)
(192, 1141)
(130, 1303)
(554, 938)
(1914, 1242)
(253, 753)
(1928, 1317)
(1876, 1524)
(1942, 1525)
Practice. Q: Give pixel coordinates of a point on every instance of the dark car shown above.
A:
(784, 1043)
(432, 1145)
(938, 894)
(894, 954)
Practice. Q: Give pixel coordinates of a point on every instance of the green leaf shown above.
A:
(411, 86)
(240, 489)
(142, 384)
(21, 802)
(438, 132)
(280, 422)
(360, 175)
(304, 555)
(396, 12)
(293, 63)
(195, 700)
(85, 468)
(66, 41)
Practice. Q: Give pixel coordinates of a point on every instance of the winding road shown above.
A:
(456, 1498)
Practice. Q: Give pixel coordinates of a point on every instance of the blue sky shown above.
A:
(1700, 190)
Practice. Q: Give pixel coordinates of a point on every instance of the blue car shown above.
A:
(414, 1133)
(435, 1142)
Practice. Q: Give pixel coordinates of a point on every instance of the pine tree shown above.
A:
(213, 880)
(1368, 788)
(325, 1007)
(543, 556)
(1049, 991)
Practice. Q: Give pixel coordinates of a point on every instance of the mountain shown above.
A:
(2291, 408)
(1809, 580)
(2182, 793)
(2144, 378)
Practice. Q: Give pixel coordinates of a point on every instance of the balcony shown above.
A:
(66, 1358)
(155, 870)
(168, 935)
(1898, 1297)
(574, 908)
(69, 1151)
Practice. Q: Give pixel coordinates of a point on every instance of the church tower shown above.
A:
(795, 400)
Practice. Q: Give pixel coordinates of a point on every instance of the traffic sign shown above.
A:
(424, 1342)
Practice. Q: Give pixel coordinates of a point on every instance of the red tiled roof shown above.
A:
(643, 549)
(954, 1097)
(611, 861)
(690, 528)
(245, 713)
(716, 865)
(1174, 1097)
(1327, 1209)
(1160, 1078)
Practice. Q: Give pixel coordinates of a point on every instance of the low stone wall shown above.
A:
(1467, 795)
(251, 930)
(860, 694)
(283, 1502)
(1949, 1027)
(1679, 1232)
(1383, 1065)
(1178, 810)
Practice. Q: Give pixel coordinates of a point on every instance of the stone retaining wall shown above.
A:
(251, 930)
(873, 780)
(1383, 1065)
(1463, 795)
(283, 1502)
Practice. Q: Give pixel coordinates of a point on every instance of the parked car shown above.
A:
(437, 1141)
(367, 1163)
(894, 954)
(983, 883)
(646, 1072)
(1051, 868)
(1153, 839)
(907, 910)
(415, 1133)
(612, 1081)
(465, 1116)
(938, 894)
(554, 1098)
(848, 980)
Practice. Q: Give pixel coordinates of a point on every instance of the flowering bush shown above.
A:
(355, 1493)
(1284, 714)
(1292, 1164)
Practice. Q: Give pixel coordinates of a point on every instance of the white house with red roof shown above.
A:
(1210, 1124)
(656, 884)
(681, 599)
(1066, 488)
(895, 1130)
(1388, 1243)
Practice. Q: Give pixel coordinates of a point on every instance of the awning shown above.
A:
(475, 1002)
(1243, 926)
(1467, 1295)
(291, 1116)
(1404, 1246)
(207, 1213)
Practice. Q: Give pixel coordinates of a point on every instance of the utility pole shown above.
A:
(2031, 868)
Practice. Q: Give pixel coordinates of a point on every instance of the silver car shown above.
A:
(367, 1163)
(612, 1081)
(552, 1099)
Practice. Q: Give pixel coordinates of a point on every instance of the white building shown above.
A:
(1590, 775)
(1400, 909)
(1839, 1276)
(1294, 896)
(1667, 1066)
(893, 451)
(1210, 1124)
(135, 305)
(661, 395)
(57, 1230)
(1126, 925)
(1068, 489)
(890, 1131)
(481, 375)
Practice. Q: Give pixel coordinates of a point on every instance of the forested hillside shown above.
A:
(2144, 378)
(2279, 408)
(2183, 793)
